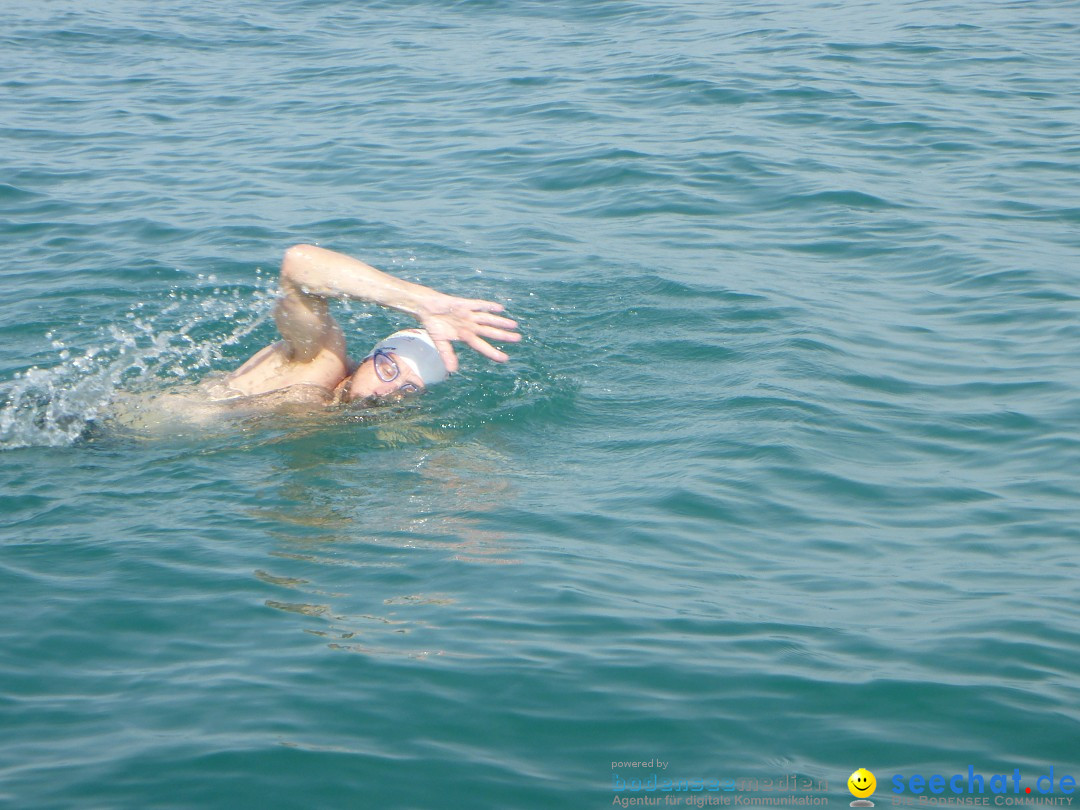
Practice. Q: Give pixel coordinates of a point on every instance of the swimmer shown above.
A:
(310, 363)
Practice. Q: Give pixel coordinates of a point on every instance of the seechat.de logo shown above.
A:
(998, 784)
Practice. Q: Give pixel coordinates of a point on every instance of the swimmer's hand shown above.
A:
(470, 320)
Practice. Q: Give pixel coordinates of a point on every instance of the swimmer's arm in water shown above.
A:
(310, 275)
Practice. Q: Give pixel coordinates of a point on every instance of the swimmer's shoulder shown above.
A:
(273, 370)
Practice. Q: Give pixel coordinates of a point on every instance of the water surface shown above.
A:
(783, 479)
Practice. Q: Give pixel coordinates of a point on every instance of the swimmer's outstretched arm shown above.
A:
(310, 275)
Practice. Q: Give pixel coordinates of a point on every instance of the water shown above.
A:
(783, 479)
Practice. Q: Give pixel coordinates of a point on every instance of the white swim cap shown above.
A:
(416, 349)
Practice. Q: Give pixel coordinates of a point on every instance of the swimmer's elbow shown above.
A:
(297, 258)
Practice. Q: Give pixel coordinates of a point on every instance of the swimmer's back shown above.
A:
(208, 403)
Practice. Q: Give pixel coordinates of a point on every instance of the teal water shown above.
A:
(783, 480)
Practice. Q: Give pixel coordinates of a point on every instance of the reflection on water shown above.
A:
(389, 492)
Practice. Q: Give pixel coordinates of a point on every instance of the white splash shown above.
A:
(52, 407)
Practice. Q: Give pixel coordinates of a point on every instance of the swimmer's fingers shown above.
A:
(485, 319)
(446, 352)
(481, 346)
(468, 320)
(498, 334)
(480, 305)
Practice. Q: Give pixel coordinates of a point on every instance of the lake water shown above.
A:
(783, 481)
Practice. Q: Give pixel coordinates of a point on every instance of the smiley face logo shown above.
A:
(862, 784)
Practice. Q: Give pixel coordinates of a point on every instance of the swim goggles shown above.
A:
(387, 370)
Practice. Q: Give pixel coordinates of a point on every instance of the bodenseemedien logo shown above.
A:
(862, 785)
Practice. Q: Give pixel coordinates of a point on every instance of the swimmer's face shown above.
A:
(366, 382)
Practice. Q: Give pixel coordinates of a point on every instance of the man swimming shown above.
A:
(311, 354)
